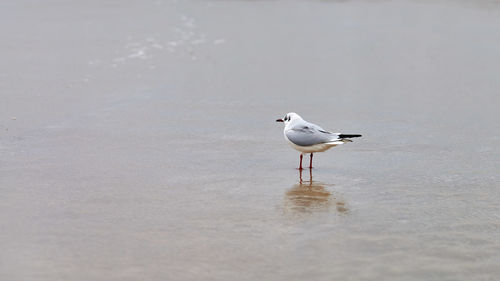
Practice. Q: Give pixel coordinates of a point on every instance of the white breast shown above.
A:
(314, 148)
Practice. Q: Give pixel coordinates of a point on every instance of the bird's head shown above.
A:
(289, 117)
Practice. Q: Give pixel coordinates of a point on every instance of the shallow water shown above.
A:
(138, 140)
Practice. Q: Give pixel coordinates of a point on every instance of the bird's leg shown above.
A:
(300, 166)
(311, 161)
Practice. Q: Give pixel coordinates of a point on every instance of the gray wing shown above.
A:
(306, 134)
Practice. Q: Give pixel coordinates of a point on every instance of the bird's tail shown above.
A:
(347, 136)
(343, 138)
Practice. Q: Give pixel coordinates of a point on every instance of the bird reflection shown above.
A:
(310, 196)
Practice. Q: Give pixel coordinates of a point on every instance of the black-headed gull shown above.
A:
(310, 138)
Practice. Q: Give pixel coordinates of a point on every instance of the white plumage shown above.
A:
(310, 138)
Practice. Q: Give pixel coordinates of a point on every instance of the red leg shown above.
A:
(311, 161)
(300, 166)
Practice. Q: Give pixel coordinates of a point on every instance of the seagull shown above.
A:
(310, 138)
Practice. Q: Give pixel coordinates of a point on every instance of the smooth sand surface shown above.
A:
(138, 142)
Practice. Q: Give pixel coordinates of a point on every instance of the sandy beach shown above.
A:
(138, 140)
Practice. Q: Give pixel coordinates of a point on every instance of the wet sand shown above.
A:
(138, 142)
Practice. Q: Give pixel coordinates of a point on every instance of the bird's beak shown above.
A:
(280, 120)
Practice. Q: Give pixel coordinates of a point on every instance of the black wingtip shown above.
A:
(345, 136)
